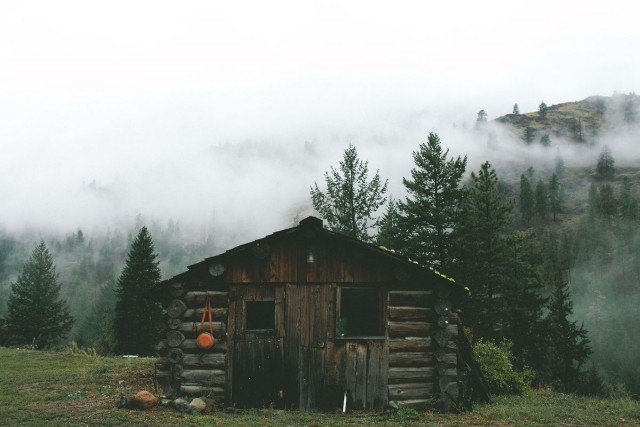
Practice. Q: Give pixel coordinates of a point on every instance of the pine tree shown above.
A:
(37, 315)
(481, 250)
(481, 120)
(605, 169)
(529, 134)
(526, 200)
(389, 233)
(545, 140)
(137, 316)
(628, 203)
(542, 109)
(569, 347)
(516, 109)
(351, 200)
(521, 301)
(555, 196)
(541, 200)
(432, 206)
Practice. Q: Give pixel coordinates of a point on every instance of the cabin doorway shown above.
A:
(257, 354)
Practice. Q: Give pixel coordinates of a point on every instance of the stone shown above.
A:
(144, 400)
(198, 405)
(181, 405)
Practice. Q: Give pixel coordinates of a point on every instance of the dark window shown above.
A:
(360, 313)
(260, 315)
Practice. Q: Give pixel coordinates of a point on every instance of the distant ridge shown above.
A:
(579, 122)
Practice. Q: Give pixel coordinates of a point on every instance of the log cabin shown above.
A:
(310, 319)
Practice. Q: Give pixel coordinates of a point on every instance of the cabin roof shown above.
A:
(312, 226)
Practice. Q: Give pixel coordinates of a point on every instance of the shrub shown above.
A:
(495, 361)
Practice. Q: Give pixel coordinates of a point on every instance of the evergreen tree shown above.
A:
(529, 134)
(482, 250)
(351, 199)
(568, 344)
(137, 316)
(521, 301)
(526, 200)
(545, 140)
(607, 204)
(541, 200)
(516, 109)
(542, 109)
(389, 233)
(432, 206)
(481, 120)
(605, 169)
(628, 203)
(36, 313)
(555, 196)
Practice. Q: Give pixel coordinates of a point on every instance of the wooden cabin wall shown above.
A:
(422, 349)
(286, 262)
(182, 367)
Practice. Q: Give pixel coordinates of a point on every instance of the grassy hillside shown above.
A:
(580, 122)
(63, 389)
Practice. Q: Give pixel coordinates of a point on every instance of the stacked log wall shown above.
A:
(411, 362)
(422, 347)
(183, 368)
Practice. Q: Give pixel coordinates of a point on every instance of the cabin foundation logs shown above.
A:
(184, 368)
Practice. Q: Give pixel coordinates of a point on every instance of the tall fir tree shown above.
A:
(541, 200)
(521, 300)
(526, 200)
(516, 109)
(555, 196)
(628, 203)
(432, 206)
(137, 316)
(351, 200)
(568, 344)
(389, 232)
(605, 167)
(37, 314)
(481, 250)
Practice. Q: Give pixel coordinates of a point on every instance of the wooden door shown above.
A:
(257, 346)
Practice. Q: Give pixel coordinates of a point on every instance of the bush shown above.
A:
(495, 362)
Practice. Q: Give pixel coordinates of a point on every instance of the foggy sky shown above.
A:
(222, 114)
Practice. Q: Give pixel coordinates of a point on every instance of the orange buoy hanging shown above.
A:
(205, 339)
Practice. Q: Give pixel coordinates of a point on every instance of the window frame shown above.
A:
(245, 311)
(381, 328)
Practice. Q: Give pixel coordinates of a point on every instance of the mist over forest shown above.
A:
(201, 199)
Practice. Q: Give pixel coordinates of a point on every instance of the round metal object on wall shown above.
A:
(217, 269)
(261, 250)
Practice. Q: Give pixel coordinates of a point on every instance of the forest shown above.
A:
(550, 253)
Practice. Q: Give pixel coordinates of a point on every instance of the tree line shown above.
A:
(505, 243)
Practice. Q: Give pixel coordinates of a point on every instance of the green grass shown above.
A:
(60, 389)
